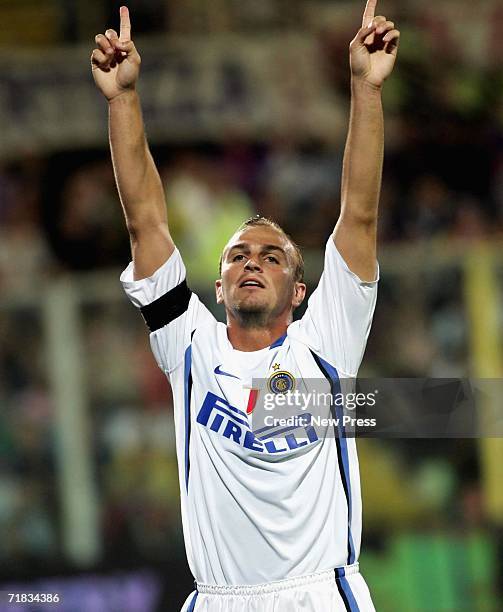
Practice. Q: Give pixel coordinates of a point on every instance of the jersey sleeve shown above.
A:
(171, 310)
(339, 313)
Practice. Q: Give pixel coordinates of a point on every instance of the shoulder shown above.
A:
(144, 291)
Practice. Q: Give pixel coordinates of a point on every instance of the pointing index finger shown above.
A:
(369, 13)
(125, 25)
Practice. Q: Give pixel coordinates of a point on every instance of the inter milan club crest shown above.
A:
(281, 382)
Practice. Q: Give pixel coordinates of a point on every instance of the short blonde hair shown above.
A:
(257, 221)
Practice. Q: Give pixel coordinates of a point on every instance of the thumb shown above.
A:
(363, 33)
(128, 48)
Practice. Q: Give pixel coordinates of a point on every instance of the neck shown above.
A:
(253, 338)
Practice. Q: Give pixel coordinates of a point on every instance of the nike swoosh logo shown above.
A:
(219, 371)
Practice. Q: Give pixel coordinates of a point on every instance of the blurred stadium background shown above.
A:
(246, 109)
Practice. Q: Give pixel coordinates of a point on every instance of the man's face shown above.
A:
(257, 281)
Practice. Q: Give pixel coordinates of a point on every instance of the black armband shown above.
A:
(167, 308)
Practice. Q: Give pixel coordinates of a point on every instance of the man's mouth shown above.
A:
(251, 282)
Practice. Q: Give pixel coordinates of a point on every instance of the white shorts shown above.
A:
(339, 590)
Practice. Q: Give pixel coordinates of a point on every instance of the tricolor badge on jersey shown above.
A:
(281, 382)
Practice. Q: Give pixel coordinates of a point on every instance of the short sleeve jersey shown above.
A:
(257, 508)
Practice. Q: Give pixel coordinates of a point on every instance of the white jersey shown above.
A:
(255, 508)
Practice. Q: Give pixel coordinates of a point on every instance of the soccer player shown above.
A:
(270, 523)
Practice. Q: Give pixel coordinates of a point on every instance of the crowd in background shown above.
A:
(443, 179)
(62, 213)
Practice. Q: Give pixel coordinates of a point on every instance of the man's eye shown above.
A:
(238, 258)
(271, 258)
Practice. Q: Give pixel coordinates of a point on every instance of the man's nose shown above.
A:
(251, 264)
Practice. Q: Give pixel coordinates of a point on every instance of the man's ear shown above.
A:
(218, 291)
(299, 293)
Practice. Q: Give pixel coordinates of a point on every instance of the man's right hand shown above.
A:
(116, 62)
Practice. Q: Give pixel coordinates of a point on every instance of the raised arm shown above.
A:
(372, 57)
(116, 67)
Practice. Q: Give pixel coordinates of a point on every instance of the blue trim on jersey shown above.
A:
(192, 604)
(342, 447)
(278, 342)
(187, 391)
(339, 572)
(350, 598)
